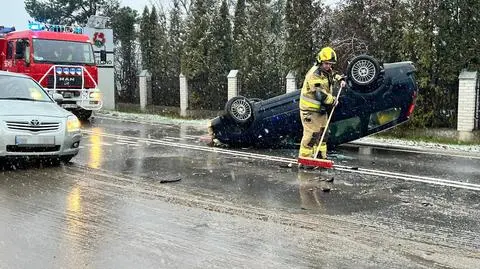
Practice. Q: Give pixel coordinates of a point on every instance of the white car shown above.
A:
(32, 124)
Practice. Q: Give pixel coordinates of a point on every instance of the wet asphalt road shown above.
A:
(111, 207)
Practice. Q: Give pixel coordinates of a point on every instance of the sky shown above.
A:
(15, 14)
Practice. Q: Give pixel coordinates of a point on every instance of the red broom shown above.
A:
(322, 163)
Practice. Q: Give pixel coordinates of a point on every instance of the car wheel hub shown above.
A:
(363, 71)
(241, 109)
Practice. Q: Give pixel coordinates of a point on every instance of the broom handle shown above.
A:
(328, 122)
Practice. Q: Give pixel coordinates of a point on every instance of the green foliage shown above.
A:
(123, 23)
(196, 44)
(68, 11)
(175, 35)
(261, 73)
(437, 36)
(239, 35)
(268, 38)
(299, 50)
(219, 58)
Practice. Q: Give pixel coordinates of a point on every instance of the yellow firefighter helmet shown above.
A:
(328, 55)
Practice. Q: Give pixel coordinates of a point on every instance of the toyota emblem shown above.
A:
(35, 122)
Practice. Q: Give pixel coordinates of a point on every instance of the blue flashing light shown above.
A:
(6, 30)
(79, 71)
(72, 71)
(66, 70)
(40, 26)
(36, 26)
(59, 70)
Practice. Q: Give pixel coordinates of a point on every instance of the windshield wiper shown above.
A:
(21, 98)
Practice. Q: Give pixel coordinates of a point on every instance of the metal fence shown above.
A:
(264, 89)
(207, 93)
(165, 91)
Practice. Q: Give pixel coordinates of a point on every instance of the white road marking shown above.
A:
(416, 151)
(387, 174)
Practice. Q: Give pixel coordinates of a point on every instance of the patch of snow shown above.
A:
(151, 118)
(419, 144)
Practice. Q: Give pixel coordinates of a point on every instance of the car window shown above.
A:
(346, 128)
(62, 51)
(380, 118)
(21, 88)
(10, 50)
(20, 49)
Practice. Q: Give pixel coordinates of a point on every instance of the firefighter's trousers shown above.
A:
(313, 125)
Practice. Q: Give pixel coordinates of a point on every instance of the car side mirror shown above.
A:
(57, 97)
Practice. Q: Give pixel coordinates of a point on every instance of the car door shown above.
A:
(9, 59)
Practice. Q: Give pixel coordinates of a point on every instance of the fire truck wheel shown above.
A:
(84, 115)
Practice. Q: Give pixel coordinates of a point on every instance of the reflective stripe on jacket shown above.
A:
(315, 81)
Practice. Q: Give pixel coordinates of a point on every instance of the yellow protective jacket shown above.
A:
(317, 81)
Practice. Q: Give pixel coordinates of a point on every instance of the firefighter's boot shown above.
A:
(323, 150)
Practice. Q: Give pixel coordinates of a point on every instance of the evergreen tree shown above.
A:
(196, 45)
(159, 57)
(260, 74)
(175, 35)
(145, 38)
(239, 34)
(175, 39)
(220, 56)
(299, 54)
(194, 57)
(277, 37)
(123, 22)
(65, 11)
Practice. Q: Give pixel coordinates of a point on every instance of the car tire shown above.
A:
(240, 109)
(363, 71)
(83, 115)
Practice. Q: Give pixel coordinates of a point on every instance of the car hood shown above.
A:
(27, 108)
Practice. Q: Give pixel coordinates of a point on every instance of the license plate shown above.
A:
(69, 106)
(34, 140)
(67, 95)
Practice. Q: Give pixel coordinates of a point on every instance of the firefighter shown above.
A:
(315, 96)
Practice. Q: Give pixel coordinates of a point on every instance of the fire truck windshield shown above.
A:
(62, 52)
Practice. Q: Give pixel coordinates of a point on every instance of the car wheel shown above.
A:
(83, 115)
(363, 70)
(239, 109)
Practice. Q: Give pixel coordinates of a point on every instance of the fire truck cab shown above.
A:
(60, 58)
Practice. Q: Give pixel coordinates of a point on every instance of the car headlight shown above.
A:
(73, 124)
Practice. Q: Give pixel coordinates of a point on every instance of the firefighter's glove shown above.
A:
(335, 101)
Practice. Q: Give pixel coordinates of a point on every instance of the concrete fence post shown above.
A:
(466, 103)
(183, 95)
(291, 82)
(143, 86)
(232, 84)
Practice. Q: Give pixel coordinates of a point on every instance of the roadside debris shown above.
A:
(170, 180)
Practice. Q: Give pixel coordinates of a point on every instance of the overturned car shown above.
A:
(378, 97)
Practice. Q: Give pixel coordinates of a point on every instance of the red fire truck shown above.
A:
(60, 58)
